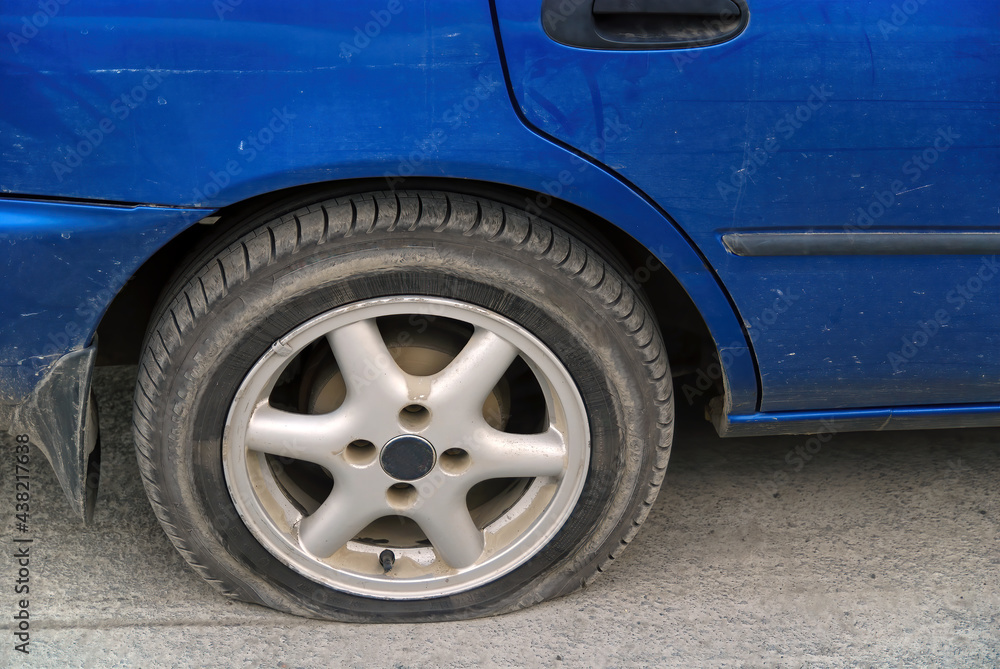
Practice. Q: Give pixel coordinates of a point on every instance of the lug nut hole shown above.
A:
(360, 452)
(414, 417)
(454, 461)
(401, 496)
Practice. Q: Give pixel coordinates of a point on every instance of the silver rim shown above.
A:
(406, 447)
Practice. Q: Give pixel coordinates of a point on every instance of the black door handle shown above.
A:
(675, 7)
(643, 24)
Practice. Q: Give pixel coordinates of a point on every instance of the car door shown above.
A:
(835, 161)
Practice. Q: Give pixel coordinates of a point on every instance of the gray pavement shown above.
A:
(880, 550)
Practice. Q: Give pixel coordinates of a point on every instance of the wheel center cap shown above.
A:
(407, 457)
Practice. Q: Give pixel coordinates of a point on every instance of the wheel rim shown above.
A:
(415, 484)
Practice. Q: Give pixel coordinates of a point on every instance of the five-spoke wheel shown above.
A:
(463, 471)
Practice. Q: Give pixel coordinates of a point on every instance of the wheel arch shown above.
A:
(688, 337)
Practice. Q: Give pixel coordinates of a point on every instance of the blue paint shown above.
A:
(820, 116)
(62, 265)
(443, 111)
(199, 105)
(848, 420)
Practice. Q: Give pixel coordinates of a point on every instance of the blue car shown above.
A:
(413, 288)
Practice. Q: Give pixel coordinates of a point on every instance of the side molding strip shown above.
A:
(861, 243)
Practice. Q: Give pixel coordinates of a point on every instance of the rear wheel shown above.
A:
(402, 406)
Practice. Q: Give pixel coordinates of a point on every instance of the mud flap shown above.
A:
(60, 418)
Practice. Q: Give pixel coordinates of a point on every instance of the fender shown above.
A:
(65, 263)
(124, 121)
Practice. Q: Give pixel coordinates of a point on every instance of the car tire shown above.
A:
(401, 406)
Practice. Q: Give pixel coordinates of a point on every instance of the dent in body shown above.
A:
(55, 419)
(65, 263)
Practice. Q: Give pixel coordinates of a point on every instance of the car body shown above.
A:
(807, 195)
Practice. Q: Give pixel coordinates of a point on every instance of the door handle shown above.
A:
(644, 24)
(672, 7)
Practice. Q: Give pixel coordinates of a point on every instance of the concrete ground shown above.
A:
(880, 550)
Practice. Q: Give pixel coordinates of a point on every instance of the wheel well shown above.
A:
(689, 344)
